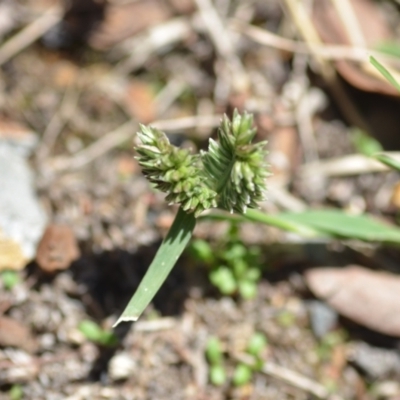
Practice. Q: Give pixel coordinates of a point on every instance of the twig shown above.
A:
(143, 46)
(278, 194)
(325, 51)
(204, 121)
(160, 324)
(122, 134)
(172, 90)
(345, 11)
(310, 103)
(97, 149)
(29, 34)
(221, 37)
(350, 22)
(306, 28)
(354, 164)
(291, 377)
(58, 121)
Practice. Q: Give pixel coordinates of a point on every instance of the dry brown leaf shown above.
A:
(57, 248)
(14, 333)
(125, 20)
(375, 30)
(367, 297)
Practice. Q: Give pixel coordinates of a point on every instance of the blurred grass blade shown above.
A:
(364, 143)
(384, 72)
(390, 47)
(337, 223)
(302, 228)
(253, 215)
(322, 223)
(167, 255)
(389, 161)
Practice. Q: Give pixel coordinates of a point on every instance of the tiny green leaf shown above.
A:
(224, 280)
(242, 375)
(235, 252)
(10, 279)
(91, 330)
(257, 344)
(95, 333)
(16, 392)
(202, 251)
(247, 289)
(217, 375)
(286, 319)
(239, 267)
(214, 351)
(253, 274)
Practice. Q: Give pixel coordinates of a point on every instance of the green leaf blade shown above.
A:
(389, 161)
(339, 224)
(385, 73)
(167, 255)
(327, 223)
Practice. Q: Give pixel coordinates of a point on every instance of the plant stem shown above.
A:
(167, 255)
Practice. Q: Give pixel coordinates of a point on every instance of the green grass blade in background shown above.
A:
(165, 259)
(389, 161)
(384, 72)
(365, 143)
(300, 227)
(390, 47)
(264, 218)
(339, 224)
(321, 223)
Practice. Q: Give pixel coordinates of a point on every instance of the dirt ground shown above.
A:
(76, 79)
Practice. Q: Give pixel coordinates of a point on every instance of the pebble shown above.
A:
(121, 367)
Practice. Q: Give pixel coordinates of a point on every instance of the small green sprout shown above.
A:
(16, 392)
(214, 351)
(9, 279)
(222, 277)
(364, 143)
(215, 358)
(286, 319)
(244, 372)
(203, 251)
(242, 375)
(234, 268)
(95, 333)
(330, 341)
(258, 342)
(217, 375)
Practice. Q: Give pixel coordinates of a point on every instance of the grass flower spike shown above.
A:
(230, 175)
(174, 171)
(236, 167)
